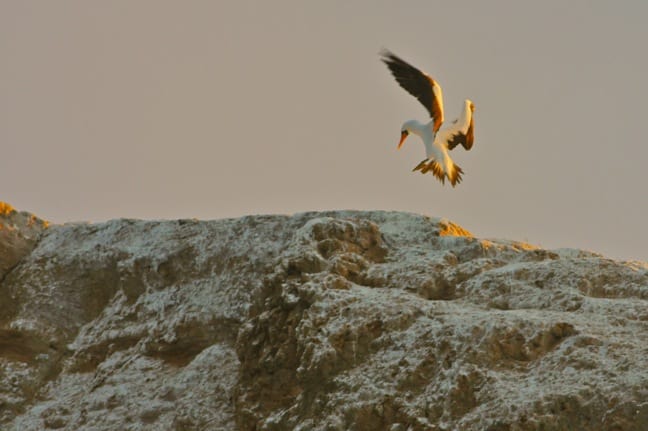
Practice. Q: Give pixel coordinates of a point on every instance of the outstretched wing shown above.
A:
(464, 138)
(418, 84)
(462, 130)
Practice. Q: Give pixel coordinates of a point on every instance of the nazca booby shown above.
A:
(437, 141)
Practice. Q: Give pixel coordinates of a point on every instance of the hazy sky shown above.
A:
(212, 109)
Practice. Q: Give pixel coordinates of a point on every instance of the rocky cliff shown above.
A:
(320, 321)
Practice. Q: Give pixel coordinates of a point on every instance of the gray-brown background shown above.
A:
(209, 109)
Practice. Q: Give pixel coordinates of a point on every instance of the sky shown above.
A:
(158, 109)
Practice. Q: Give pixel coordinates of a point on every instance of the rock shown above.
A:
(18, 234)
(318, 321)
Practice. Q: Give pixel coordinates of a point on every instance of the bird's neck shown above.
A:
(416, 127)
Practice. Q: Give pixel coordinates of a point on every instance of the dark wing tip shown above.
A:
(389, 58)
(392, 60)
(415, 82)
(384, 52)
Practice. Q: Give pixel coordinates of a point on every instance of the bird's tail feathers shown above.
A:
(454, 175)
(430, 165)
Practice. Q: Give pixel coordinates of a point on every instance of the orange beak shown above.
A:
(404, 134)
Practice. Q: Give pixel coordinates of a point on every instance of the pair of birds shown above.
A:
(437, 141)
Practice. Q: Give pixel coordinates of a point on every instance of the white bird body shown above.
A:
(434, 148)
(437, 141)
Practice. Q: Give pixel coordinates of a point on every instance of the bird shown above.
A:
(438, 141)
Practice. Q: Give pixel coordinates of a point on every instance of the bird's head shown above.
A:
(404, 134)
(407, 128)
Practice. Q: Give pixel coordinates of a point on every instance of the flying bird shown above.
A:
(437, 141)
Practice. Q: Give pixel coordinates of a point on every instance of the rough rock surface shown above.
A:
(18, 234)
(318, 321)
